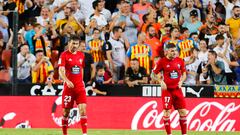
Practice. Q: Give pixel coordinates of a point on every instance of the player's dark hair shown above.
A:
(170, 45)
(116, 29)
(193, 33)
(74, 37)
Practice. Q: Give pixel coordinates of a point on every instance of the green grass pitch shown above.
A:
(102, 132)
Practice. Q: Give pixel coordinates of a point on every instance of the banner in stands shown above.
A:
(112, 90)
(227, 91)
(204, 114)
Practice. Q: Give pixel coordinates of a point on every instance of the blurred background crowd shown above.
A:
(122, 39)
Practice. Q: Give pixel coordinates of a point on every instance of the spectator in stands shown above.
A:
(153, 41)
(149, 19)
(224, 49)
(167, 17)
(107, 14)
(140, 51)
(128, 21)
(100, 18)
(115, 51)
(234, 22)
(58, 8)
(223, 30)
(209, 28)
(86, 7)
(30, 33)
(4, 27)
(229, 7)
(203, 58)
(194, 24)
(99, 83)
(174, 36)
(184, 47)
(39, 41)
(95, 46)
(42, 69)
(10, 5)
(69, 19)
(215, 69)
(141, 8)
(165, 33)
(24, 62)
(46, 17)
(89, 67)
(236, 64)
(77, 13)
(195, 38)
(185, 12)
(135, 74)
(191, 68)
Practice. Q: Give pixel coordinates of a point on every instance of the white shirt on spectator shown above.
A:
(218, 49)
(58, 3)
(86, 7)
(79, 15)
(212, 38)
(203, 57)
(101, 21)
(118, 51)
(4, 30)
(24, 71)
(191, 79)
(107, 14)
(42, 21)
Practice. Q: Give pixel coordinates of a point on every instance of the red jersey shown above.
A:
(73, 64)
(172, 70)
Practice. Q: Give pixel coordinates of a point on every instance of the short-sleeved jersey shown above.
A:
(172, 70)
(143, 53)
(95, 48)
(73, 64)
(185, 46)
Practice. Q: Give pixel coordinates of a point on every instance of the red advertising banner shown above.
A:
(204, 114)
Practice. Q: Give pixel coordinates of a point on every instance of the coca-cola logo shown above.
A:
(206, 116)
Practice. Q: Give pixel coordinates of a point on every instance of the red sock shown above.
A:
(84, 124)
(183, 124)
(167, 125)
(64, 125)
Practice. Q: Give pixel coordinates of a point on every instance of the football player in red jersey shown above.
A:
(174, 74)
(71, 65)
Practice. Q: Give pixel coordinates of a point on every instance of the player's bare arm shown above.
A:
(183, 78)
(65, 79)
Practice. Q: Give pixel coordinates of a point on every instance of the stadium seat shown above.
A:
(54, 60)
(6, 58)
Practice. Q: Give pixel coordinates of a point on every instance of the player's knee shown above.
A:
(182, 112)
(166, 113)
(66, 112)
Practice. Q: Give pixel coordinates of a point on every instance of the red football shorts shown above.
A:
(77, 94)
(173, 97)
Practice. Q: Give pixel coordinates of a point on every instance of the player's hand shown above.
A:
(163, 85)
(69, 84)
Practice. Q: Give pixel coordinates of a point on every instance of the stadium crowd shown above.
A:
(122, 39)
